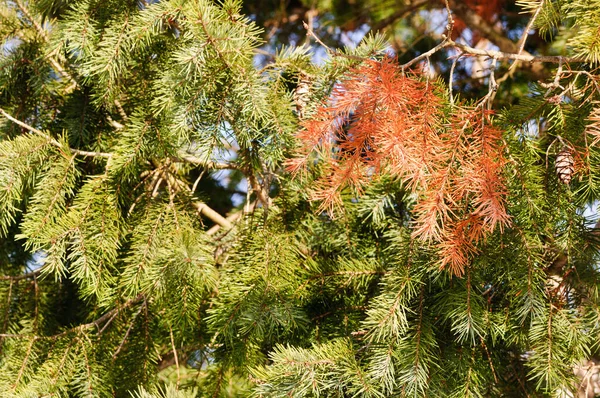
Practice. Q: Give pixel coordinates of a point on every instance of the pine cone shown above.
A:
(565, 165)
(302, 94)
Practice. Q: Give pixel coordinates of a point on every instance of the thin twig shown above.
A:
(183, 156)
(121, 110)
(528, 28)
(451, 79)
(333, 52)
(175, 355)
(15, 278)
(445, 43)
(94, 324)
(500, 55)
(193, 189)
(131, 323)
(53, 141)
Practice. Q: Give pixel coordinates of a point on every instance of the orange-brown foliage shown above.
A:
(380, 119)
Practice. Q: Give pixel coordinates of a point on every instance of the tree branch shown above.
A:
(54, 62)
(28, 275)
(96, 323)
(183, 156)
(44, 35)
(53, 141)
(529, 26)
(468, 50)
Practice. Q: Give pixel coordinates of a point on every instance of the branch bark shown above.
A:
(28, 275)
(96, 323)
(51, 140)
(206, 164)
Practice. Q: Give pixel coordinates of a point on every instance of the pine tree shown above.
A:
(182, 216)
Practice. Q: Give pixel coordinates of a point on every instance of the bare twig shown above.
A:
(333, 52)
(28, 275)
(41, 31)
(206, 164)
(500, 55)
(450, 20)
(175, 354)
(493, 87)
(556, 82)
(451, 79)
(114, 123)
(53, 141)
(529, 26)
(248, 208)
(445, 43)
(121, 110)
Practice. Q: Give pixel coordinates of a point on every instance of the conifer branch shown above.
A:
(44, 35)
(53, 141)
(41, 31)
(22, 369)
(58, 67)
